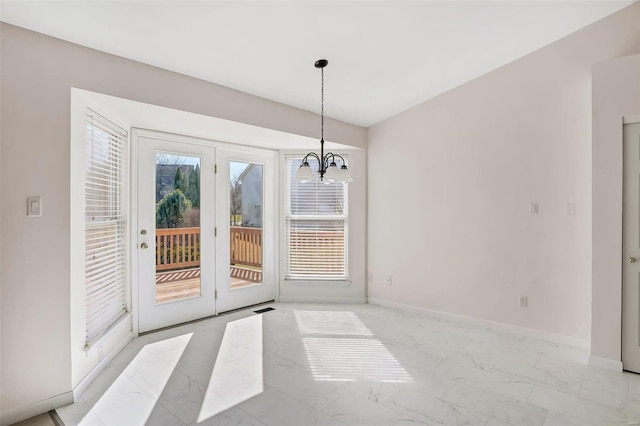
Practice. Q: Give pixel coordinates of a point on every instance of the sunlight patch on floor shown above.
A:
(331, 323)
(340, 347)
(132, 397)
(237, 374)
(348, 360)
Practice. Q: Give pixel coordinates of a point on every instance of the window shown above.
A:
(106, 221)
(316, 227)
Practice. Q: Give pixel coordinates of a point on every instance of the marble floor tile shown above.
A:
(555, 419)
(537, 376)
(558, 365)
(231, 417)
(355, 410)
(373, 391)
(434, 410)
(496, 422)
(100, 385)
(634, 383)
(506, 350)
(303, 387)
(588, 411)
(124, 403)
(322, 364)
(557, 350)
(77, 413)
(41, 420)
(276, 408)
(495, 405)
(607, 380)
(160, 416)
(432, 383)
(480, 361)
(491, 380)
(183, 396)
(124, 358)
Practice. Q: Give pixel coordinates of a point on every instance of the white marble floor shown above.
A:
(305, 364)
(41, 420)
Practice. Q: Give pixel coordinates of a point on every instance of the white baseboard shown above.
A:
(84, 383)
(312, 299)
(36, 408)
(499, 326)
(606, 363)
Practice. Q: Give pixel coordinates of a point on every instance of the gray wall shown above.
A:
(616, 93)
(451, 222)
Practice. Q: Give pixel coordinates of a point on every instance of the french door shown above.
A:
(631, 250)
(176, 231)
(205, 228)
(246, 200)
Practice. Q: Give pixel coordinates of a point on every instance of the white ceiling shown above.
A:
(384, 56)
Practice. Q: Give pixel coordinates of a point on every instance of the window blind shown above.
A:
(316, 227)
(105, 224)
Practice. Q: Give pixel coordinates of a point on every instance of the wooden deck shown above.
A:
(185, 283)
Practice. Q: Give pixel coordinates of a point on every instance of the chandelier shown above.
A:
(327, 167)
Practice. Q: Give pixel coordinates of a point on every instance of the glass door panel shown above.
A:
(245, 222)
(177, 219)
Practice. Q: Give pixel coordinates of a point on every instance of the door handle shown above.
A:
(631, 260)
(145, 246)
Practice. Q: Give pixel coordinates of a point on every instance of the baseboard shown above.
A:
(312, 299)
(36, 408)
(499, 326)
(86, 381)
(606, 363)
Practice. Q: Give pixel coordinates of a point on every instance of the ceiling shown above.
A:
(384, 56)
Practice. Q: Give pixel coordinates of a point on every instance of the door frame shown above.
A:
(135, 134)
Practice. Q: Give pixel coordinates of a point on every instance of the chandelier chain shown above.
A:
(327, 167)
(322, 106)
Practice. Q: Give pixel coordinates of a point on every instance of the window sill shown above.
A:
(317, 283)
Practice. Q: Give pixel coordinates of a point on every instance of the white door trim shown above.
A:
(155, 134)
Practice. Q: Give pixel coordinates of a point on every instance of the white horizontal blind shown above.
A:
(316, 227)
(105, 224)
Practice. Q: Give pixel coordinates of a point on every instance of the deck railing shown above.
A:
(246, 246)
(178, 248)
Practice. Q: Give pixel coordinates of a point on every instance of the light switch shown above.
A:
(34, 206)
(533, 208)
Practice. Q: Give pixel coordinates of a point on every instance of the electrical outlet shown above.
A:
(523, 301)
(388, 280)
(533, 208)
(370, 277)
